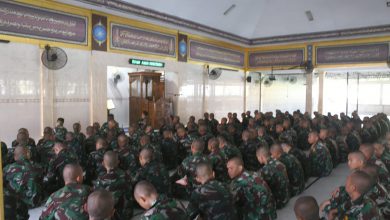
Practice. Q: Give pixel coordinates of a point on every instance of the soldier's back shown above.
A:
(219, 166)
(295, 173)
(165, 209)
(155, 173)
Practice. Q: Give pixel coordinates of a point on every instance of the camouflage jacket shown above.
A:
(275, 174)
(165, 209)
(185, 146)
(60, 133)
(248, 151)
(169, 150)
(80, 137)
(57, 164)
(25, 178)
(381, 197)
(155, 173)
(302, 143)
(333, 150)
(386, 158)
(77, 149)
(211, 200)
(188, 167)
(219, 166)
(95, 167)
(295, 173)
(134, 138)
(383, 174)
(31, 152)
(119, 184)
(230, 151)
(252, 197)
(67, 203)
(45, 152)
(14, 207)
(341, 142)
(128, 160)
(320, 161)
(157, 154)
(363, 208)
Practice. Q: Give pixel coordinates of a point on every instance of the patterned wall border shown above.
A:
(3, 101)
(152, 14)
(71, 100)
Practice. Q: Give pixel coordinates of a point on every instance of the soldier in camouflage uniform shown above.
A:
(63, 156)
(251, 195)
(78, 135)
(228, 151)
(154, 136)
(45, 147)
(30, 141)
(211, 200)
(294, 169)
(320, 161)
(217, 160)
(306, 208)
(184, 140)
(169, 149)
(275, 174)
(382, 153)
(134, 136)
(330, 144)
(248, 149)
(24, 178)
(74, 145)
(303, 134)
(100, 205)
(128, 156)
(90, 140)
(158, 207)
(146, 143)
(60, 131)
(23, 140)
(204, 134)
(94, 164)
(119, 184)
(14, 207)
(112, 126)
(341, 141)
(153, 172)
(68, 202)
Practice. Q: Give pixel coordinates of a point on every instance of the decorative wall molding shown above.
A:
(71, 100)
(152, 14)
(19, 101)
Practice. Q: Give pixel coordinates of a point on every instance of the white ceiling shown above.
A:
(267, 18)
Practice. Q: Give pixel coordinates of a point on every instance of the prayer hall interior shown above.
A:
(194, 109)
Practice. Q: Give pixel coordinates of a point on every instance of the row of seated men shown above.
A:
(248, 169)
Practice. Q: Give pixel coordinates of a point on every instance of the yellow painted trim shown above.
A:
(61, 8)
(1, 187)
(277, 47)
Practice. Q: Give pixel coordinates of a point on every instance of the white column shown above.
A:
(309, 92)
(321, 75)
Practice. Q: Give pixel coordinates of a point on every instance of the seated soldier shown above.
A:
(251, 195)
(294, 169)
(74, 145)
(384, 176)
(22, 140)
(169, 150)
(146, 143)
(154, 136)
(80, 137)
(95, 160)
(60, 131)
(68, 202)
(45, 147)
(217, 161)
(320, 161)
(157, 206)
(330, 144)
(24, 178)
(377, 192)
(14, 207)
(119, 184)
(382, 153)
(153, 172)
(228, 151)
(30, 141)
(306, 208)
(100, 205)
(188, 167)
(184, 140)
(211, 200)
(204, 134)
(248, 149)
(62, 157)
(90, 140)
(275, 174)
(128, 156)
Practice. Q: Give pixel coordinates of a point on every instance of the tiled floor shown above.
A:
(320, 190)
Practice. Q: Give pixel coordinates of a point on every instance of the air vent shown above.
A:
(309, 15)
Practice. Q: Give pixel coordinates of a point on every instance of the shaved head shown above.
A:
(146, 155)
(235, 167)
(361, 181)
(100, 205)
(197, 145)
(73, 173)
(306, 208)
(367, 150)
(110, 160)
(204, 172)
(372, 170)
(20, 152)
(276, 150)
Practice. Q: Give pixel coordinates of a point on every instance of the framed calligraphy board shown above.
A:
(124, 37)
(293, 57)
(200, 51)
(349, 54)
(33, 22)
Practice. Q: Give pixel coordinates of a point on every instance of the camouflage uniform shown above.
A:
(90, 144)
(80, 137)
(14, 207)
(302, 158)
(25, 178)
(383, 174)
(157, 154)
(60, 133)
(134, 138)
(353, 141)
(67, 203)
(185, 146)
(341, 142)
(45, 152)
(128, 160)
(252, 197)
(381, 197)
(275, 174)
(248, 151)
(95, 167)
(320, 161)
(211, 200)
(333, 150)
(118, 183)
(188, 167)
(230, 151)
(155, 173)
(169, 150)
(165, 209)
(78, 150)
(385, 158)
(219, 166)
(295, 173)
(303, 135)
(363, 208)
